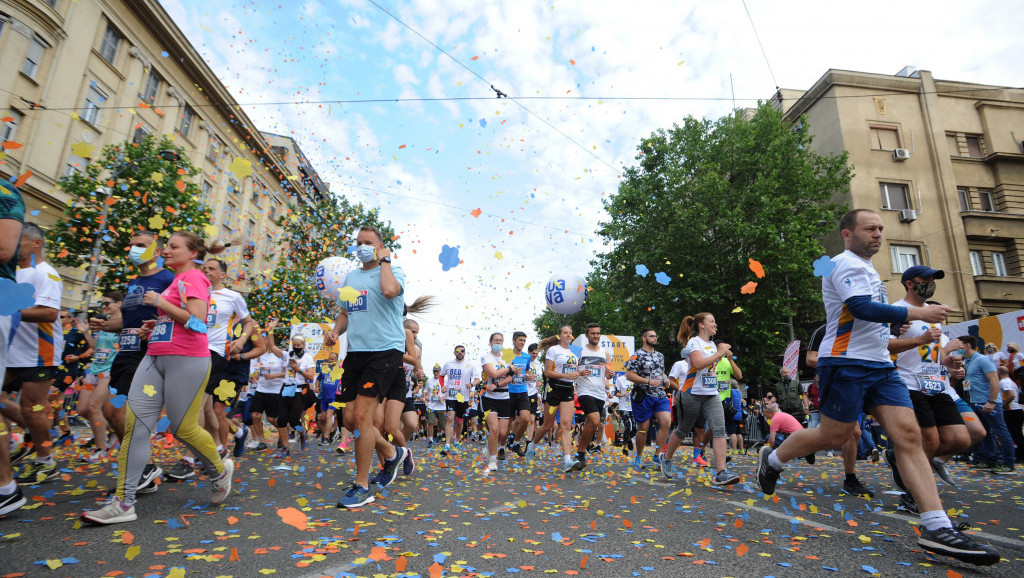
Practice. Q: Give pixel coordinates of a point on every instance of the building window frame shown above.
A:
(976, 151)
(142, 129)
(75, 164)
(152, 88)
(964, 197)
(999, 264)
(883, 135)
(986, 201)
(904, 256)
(34, 57)
(188, 118)
(977, 265)
(111, 43)
(206, 192)
(214, 148)
(887, 195)
(9, 129)
(94, 99)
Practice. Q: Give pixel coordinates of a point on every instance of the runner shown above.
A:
(497, 406)
(592, 390)
(436, 407)
(458, 377)
(238, 372)
(327, 381)
(294, 401)
(12, 213)
(272, 370)
(95, 391)
(646, 369)
(519, 396)
(623, 392)
(172, 376)
(561, 367)
(373, 366)
(856, 375)
(699, 394)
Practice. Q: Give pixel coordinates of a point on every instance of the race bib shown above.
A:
(454, 387)
(709, 381)
(359, 305)
(264, 371)
(596, 370)
(723, 385)
(931, 384)
(211, 314)
(128, 341)
(101, 356)
(163, 331)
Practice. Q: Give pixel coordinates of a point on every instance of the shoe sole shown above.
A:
(412, 464)
(178, 478)
(229, 470)
(369, 500)
(730, 482)
(7, 509)
(129, 517)
(946, 477)
(858, 494)
(979, 558)
(762, 463)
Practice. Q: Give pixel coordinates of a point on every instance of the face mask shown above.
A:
(925, 290)
(135, 255)
(298, 352)
(496, 348)
(366, 253)
(959, 352)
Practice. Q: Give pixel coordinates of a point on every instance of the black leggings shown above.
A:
(289, 409)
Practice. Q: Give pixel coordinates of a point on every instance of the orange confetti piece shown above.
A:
(742, 549)
(749, 288)
(11, 145)
(632, 499)
(293, 517)
(234, 554)
(22, 179)
(271, 482)
(180, 186)
(436, 570)
(378, 553)
(572, 62)
(738, 523)
(583, 562)
(401, 146)
(368, 385)
(127, 538)
(476, 212)
(232, 520)
(627, 523)
(951, 573)
(593, 525)
(400, 563)
(756, 268)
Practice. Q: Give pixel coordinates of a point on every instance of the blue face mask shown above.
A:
(959, 352)
(496, 348)
(135, 255)
(366, 253)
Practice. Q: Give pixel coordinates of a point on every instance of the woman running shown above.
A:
(95, 391)
(560, 367)
(496, 403)
(172, 376)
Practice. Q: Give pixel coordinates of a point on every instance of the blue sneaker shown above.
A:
(637, 463)
(356, 496)
(239, 448)
(389, 472)
(530, 453)
(408, 464)
(657, 459)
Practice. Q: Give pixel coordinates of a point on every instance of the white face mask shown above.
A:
(366, 253)
(135, 255)
(496, 348)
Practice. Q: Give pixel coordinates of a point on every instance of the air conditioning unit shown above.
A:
(900, 154)
(908, 215)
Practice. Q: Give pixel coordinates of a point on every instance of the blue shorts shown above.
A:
(327, 397)
(849, 390)
(963, 407)
(646, 409)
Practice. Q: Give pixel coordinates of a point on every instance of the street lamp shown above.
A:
(94, 261)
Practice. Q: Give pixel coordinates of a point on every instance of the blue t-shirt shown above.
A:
(326, 383)
(518, 384)
(103, 356)
(133, 310)
(375, 322)
(12, 206)
(977, 366)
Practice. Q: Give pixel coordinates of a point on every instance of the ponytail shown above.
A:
(690, 327)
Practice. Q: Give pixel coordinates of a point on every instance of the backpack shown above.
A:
(789, 397)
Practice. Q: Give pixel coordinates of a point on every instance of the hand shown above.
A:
(418, 372)
(80, 325)
(657, 382)
(584, 373)
(724, 348)
(989, 407)
(293, 364)
(904, 329)
(237, 345)
(330, 337)
(71, 358)
(491, 386)
(958, 372)
(96, 324)
(953, 345)
(147, 328)
(573, 376)
(933, 334)
(933, 313)
(382, 252)
(151, 298)
(272, 325)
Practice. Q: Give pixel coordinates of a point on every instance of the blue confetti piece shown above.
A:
(164, 53)
(440, 558)
(449, 257)
(173, 524)
(556, 536)
(824, 266)
(662, 277)
(118, 401)
(163, 424)
(830, 569)
(785, 564)
(642, 270)
(34, 213)
(398, 181)
(869, 569)
(17, 296)
(483, 123)
(355, 434)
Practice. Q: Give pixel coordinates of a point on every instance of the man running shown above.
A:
(519, 396)
(856, 375)
(592, 390)
(12, 214)
(646, 369)
(458, 376)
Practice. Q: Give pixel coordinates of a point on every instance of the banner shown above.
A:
(995, 329)
(621, 348)
(791, 358)
(313, 333)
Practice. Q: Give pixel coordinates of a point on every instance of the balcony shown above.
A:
(983, 224)
(995, 288)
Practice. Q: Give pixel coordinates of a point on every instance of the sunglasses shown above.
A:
(106, 303)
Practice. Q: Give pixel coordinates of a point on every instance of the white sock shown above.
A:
(220, 448)
(935, 520)
(774, 461)
(240, 432)
(191, 461)
(568, 458)
(8, 489)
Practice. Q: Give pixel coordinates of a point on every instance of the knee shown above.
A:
(906, 435)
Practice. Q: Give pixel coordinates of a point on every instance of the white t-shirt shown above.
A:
(595, 384)
(921, 367)
(39, 344)
(999, 357)
(847, 337)
(270, 364)
(435, 395)
(458, 377)
(496, 362)
(679, 371)
(565, 361)
(293, 377)
(1007, 384)
(623, 386)
(702, 381)
(226, 307)
(538, 370)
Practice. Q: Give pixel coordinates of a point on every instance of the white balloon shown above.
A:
(329, 276)
(565, 293)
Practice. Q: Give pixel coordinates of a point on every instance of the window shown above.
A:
(94, 99)
(250, 228)
(986, 201)
(153, 82)
(33, 58)
(9, 128)
(268, 245)
(965, 199)
(976, 265)
(141, 131)
(187, 117)
(894, 196)
(230, 210)
(954, 146)
(52, 3)
(204, 189)
(75, 164)
(904, 257)
(998, 264)
(111, 41)
(257, 188)
(974, 146)
(214, 148)
(885, 138)
(233, 186)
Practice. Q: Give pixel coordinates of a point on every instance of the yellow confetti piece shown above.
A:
(738, 310)
(211, 230)
(82, 149)
(156, 222)
(497, 255)
(268, 571)
(132, 552)
(225, 389)
(157, 177)
(348, 294)
(241, 168)
(149, 252)
(237, 332)
(177, 573)
(54, 564)
(460, 398)
(864, 539)
(336, 373)
(37, 407)
(149, 390)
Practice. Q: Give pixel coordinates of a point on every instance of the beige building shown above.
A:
(103, 71)
(943, 163)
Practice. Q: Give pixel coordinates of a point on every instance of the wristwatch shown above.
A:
(384, 260)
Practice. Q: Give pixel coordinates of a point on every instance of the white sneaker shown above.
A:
(222, 484)
(114, 512)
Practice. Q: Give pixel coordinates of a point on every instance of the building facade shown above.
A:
(943, 163)
(105, 71)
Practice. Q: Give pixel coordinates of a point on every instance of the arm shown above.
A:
(194, 307)
(39, 314)
(699, 362)
(903, 344)
(993, 385)
(259, 348)
(249, 328)
(550, 373)
(736, 373)
(308, 373)
(862, 307)
(812, 359)
(10, 236)
(389, 285)
(271, 345)
(340, 326)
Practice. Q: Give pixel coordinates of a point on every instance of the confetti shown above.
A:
(824, 266)
(749, 288)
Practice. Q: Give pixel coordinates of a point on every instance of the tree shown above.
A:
(148, 193)
(702, 200)
(312, 233)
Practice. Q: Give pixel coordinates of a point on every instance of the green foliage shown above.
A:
(144, 186)
(703, 198)
(312, 233)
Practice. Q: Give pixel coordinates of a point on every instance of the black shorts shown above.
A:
(935, 410)
(558, 394)
(265, 403)
(534, 406)
(731, 426)
(519, 402)
(218, 363)
(502, 407)
(372, 373)
(459, 407)
(590, 404)
(16, 376)
(410, 405)
(420, 409)
(122, 371)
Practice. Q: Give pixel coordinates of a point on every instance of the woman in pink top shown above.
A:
(782, 424)
(173, 376)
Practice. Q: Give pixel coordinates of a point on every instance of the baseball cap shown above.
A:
(922, 271)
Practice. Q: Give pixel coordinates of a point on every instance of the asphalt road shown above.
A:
(528, 519)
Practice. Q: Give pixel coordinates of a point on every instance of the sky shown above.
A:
(517, 184)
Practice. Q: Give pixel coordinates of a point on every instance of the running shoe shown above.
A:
(570, 465)
(97, 456)
(700, 461)
(356, 496)
(181, 470)
(855, 488)
(303, 441)
(222, 483)
(20, 454)
(667, 469)
(638, 463)
(389, 472)
(890, 459)
(239, 448)
(430, 443)
(907, 504)
(581, 459)
(11, 502)
(408, 464)
(447, 449)
(501, 454)
(942, 470)
(874, 455)
(36, 472)
(492, 466)
(281, 453)
(810, 458)
(114, 512)
(726, 478)
(63, 438)
(767, 476)
(657, 459)
(1002, 469)
(147, 481)
(530, 453)
(260, 447)
(955, 544)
